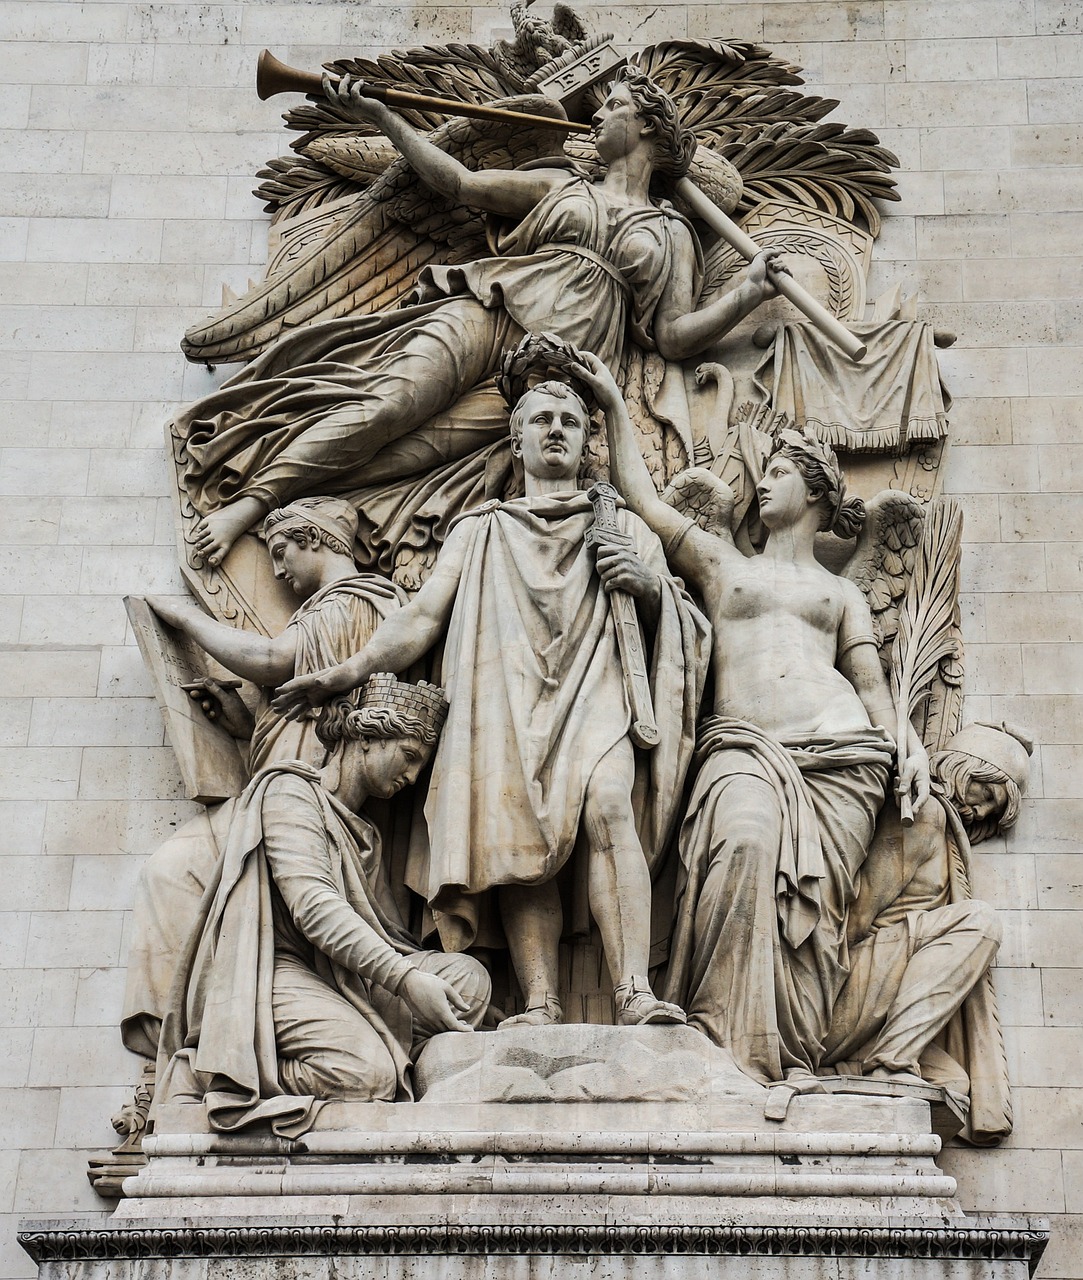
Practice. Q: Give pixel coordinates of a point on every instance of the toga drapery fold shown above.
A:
(537, 700)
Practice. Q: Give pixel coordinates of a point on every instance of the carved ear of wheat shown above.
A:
(926, 631)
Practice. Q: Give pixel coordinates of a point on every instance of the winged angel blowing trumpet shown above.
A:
(372, 377)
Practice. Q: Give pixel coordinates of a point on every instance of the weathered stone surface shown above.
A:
(63, 224)
(579, 1064)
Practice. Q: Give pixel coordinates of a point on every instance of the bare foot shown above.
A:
(217, 532)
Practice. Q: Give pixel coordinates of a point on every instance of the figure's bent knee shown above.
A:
(985, 920)
(337, 1074)
(466, 974)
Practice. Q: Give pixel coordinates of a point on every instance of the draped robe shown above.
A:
(331, 625)
(537, 700)
(759, 946)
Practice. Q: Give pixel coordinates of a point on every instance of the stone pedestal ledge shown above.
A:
(580, 1063)
(805, 1248)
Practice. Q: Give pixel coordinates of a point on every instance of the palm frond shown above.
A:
(928, 619)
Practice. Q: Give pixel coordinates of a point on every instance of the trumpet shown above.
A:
(273, 76)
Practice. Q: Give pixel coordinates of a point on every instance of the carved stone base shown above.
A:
(843, 1187)
(579, 1063)
(465, 1184)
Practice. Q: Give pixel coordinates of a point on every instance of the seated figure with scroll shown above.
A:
(537, 743)
(793, 766)
(301, 984)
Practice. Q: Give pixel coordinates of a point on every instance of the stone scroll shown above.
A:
(209, 758)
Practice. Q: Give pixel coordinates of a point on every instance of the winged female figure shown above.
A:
(350, 401)
(793, 765)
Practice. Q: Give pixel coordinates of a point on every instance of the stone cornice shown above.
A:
(973, 1242)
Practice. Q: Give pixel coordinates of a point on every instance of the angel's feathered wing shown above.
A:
(883, 561)
(735, 97)
(927, 658)
(369, 254)
(709, 501)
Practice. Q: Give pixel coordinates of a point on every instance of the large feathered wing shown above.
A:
(701, 495)
(736, 98)
(883, 562)
(370, 253)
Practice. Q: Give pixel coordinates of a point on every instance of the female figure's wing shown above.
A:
(733, 96)
(906, 562)
(329, 204)
(368, 254)
(883, 562)
(926, 663)
(703, 497)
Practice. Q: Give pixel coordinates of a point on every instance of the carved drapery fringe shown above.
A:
(882, 440)
(891, 400)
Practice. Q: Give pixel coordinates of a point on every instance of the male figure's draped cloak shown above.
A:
(537, 700)
(219, 1023)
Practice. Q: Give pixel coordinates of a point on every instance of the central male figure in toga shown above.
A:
(536, 744)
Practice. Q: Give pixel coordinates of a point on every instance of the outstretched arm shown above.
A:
(252, 657)
(397, 643)
(498, 191)
(688, 548)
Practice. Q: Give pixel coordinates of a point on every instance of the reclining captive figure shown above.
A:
(537, 740)
(918, 1003)
(792, 767)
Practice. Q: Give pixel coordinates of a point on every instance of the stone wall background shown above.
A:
(130, 134)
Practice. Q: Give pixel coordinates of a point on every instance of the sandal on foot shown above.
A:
(638, 1006)
(547, 1014)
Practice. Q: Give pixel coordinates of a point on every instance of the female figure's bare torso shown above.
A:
(777, 629)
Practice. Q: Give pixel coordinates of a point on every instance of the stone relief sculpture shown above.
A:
(914, 921)
(792, 766)
(309, 546)
(300, 983)
(595, 262)
(788, 870)
(537, 742)
(369, 377)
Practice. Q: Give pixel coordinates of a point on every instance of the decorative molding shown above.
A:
(1022, 1244)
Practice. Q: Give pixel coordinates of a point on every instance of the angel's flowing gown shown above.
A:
(349, 402)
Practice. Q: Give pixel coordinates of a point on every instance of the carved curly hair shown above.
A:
(562, 391)
(820, 470)
(675, 145)
(298, 533)
(342, 721)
